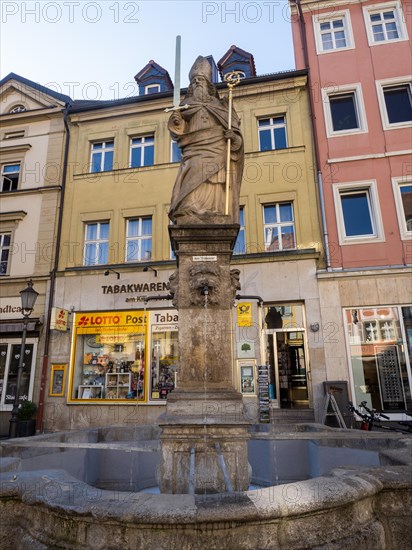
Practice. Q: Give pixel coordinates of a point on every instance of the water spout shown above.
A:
(192, 472)
(223, 467)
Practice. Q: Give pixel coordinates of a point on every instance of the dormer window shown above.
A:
(17, 109)
(152, 89)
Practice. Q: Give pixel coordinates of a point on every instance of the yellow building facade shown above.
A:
(115, 259)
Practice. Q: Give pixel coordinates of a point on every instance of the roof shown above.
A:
(36, 86)
(83, 105)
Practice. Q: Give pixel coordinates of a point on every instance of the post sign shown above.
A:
(244, 314)
(59, 319)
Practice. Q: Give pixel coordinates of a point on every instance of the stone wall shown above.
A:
(356, 510)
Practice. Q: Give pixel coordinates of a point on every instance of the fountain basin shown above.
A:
(353, 506)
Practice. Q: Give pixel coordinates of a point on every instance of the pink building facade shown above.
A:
(360, 64)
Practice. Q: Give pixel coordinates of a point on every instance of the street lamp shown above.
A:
(28, 299)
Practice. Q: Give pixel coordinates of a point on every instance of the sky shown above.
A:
(93, 49)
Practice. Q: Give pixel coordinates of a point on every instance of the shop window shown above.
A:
(385, 23)
(96, 243)
(109, 358)
(10, 175)
(141, 151)
(9, 362)
(272, 133)
(379, 355)
(240, 245)
(102, 156)
(164, 353)
(5, 243)
(139, 239)
(279, 226)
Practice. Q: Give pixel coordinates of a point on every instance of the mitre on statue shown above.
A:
(201, 67)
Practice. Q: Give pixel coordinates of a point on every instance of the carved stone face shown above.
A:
(200, 88)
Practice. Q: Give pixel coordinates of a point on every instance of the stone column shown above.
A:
(204, 421)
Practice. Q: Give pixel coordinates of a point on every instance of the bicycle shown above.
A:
(371, 417)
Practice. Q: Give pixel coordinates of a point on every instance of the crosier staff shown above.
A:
(232, 79)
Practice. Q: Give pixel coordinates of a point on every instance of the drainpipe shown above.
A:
(319, 181)
(45, 366)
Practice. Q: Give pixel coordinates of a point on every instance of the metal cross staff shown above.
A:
(232, 79)
(176, 91)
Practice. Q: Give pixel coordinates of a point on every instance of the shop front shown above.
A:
(379, 346)
(123, 356)
(11, 332)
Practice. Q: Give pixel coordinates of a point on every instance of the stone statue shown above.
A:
(201, 131)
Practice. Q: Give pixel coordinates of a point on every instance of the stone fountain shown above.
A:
(204, 434)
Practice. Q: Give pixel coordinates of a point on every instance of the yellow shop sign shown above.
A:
(244, 314)
(86, 322)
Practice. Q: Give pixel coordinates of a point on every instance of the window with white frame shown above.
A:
(279, 226)
(344, 110)
(384, 23)
(5, 245)
(96, 243)
(9, 363)
(139, 239)
(142, 151)
(272, 133)
(175, 153)
(403, 199)
(333, 32)
(10, 175)
(101, 159)
(358, 213)
(240, 245)
(151, 89)
(395, 99)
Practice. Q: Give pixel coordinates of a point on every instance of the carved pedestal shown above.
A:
(204, 434)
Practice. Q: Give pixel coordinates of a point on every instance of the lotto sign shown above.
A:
(244, 314)
(88, 322)
(59, 319)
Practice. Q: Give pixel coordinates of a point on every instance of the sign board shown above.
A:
(59, 319)
(244, 314)
(10, 308)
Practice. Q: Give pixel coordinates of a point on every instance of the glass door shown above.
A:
(286, 356)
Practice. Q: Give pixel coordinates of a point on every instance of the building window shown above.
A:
(5, 242)
(344, 111)
(395, 99)
(176, 153)
(240, 245)
(139, 239)
(358, 214)
(9, 362)
(279, 226)
(333, 33)
(272, 133)
(10, 174)
(17, 109)
(385, 24)
(142, 151)
(96, 243)
(403, 200)
(151, 89)
(102, 156)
